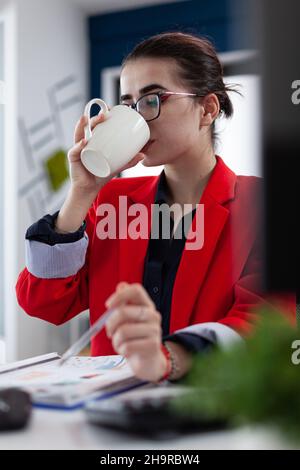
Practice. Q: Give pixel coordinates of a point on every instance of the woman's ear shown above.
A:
(210, 109)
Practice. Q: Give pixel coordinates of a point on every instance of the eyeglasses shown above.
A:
(149, 105)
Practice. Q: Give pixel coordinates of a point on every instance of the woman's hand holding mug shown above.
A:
(113, 144)
(81, 178)
(98, 155)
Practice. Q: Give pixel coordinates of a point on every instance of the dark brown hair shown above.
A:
(199, 67)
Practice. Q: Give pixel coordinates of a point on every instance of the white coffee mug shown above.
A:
(114, 141)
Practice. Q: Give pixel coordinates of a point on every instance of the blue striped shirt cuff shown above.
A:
(55, 261)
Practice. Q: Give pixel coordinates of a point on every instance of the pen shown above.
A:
(86, 337)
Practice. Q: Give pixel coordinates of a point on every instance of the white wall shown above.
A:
(9, 215)
(1, 92)
(51, 45)
(239, 136)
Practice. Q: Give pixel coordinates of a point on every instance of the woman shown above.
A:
(170, 301)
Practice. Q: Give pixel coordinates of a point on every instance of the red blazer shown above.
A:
(221, 282)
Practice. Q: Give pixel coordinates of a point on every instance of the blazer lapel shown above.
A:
(132, 252)
(195, 263)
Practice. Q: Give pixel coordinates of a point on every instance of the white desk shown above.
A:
(70, 430)
(50, 429)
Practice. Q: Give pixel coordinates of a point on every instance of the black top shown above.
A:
(163, 258)
(43, 231)
(161, 264)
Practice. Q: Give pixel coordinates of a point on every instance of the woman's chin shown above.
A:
(149, 161)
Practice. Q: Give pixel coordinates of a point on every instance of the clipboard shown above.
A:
(71, 386)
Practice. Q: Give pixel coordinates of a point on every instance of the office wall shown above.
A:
(51, 51)
(113, 35)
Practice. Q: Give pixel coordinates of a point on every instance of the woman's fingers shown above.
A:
(79, 128)
(135, 330)
(137, 351)
(131, 314)
(79, 137)
(133, 293)
(129, 332)
(96, 119)
(74, 152)
(121, 285)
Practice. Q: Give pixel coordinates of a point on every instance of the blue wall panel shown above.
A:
(113, 35)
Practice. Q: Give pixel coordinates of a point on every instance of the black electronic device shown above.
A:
(15, 408)
(146, 415)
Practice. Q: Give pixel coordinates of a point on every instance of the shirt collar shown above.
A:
(162, 191)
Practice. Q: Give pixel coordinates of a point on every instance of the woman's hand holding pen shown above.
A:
(135, 331)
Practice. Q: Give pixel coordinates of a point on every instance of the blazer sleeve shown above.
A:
(57, 298)
(249, 298)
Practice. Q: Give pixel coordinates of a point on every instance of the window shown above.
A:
(242, 68)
